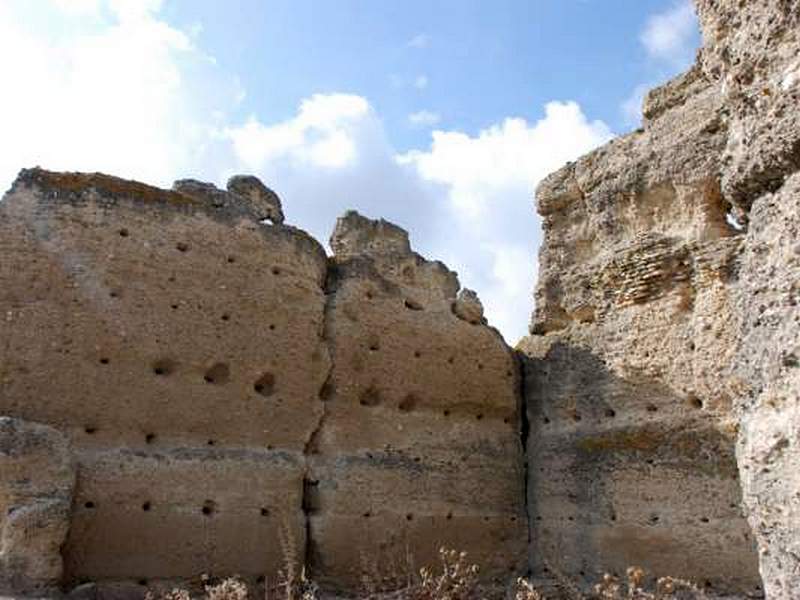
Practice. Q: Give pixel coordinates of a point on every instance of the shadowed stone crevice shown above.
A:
(650, 484)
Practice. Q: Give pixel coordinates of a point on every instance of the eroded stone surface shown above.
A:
(262, 200)
(185, 348)
(668, 328)
(177, 343)
(37, 478)
(751, 53)
(767, 374)
(631, 446)
(419, 446)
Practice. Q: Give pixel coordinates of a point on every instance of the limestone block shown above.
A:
(767, 371)
(177, 342)
(420, 441)
(37, 478)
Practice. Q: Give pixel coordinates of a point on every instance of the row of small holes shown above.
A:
(611, 413)
(209, 507)
(372, 397)
(218, 374)
(652, 519)
(151, 437)
(448, 516)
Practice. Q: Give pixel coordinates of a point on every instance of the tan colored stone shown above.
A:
(468, 307)
(262, 200)
(632, 435)
(751, 53)
(177, 343)
(768, 368)
(420, 442)
(37, 478)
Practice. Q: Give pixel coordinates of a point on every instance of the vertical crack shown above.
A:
(524, 433)
(310, 500)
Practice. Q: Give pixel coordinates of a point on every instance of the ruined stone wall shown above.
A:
(186, 388)
(420, 439)
(232, 402)
(753, 53)
(660, 372)
(631, 444)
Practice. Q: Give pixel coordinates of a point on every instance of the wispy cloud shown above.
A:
(419, 82)
(423, 118)
(671, 35)
(669, 39)
(421, 40)
(632, 105)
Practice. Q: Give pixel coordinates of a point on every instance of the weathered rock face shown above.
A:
(226, 392)
(190, 389)
(177, 342)
(420, 445)
(660, 331)
(751, 53)
(631, 445)
(37, 478)
(767, 372)
(753, 50)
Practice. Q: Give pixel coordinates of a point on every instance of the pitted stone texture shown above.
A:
(674, 93)
(468, 307)
(631, 446)
(767, 372)
(752, 49)
(202, 191)
(660, 182)
(151, 320)
(213, 511)
(37, 478)
(262, 200)
(356, 235)
(419, 446)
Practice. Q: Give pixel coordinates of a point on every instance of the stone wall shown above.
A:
(227, 394)
(38, 478)
(753, 53)
(631, 444)
(190, 386)
(661, 368)
(420, 439)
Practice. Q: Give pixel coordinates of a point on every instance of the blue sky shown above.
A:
(441, 116)
(473, 63)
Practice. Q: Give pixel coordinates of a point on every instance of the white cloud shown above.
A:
(321, 135)
(466, 200)
(671, 35)
(513, 153)
(423, 118)
(632, 105)
(81, 7)
(669, 39)
(420, 40)
(120, 90)
(421, 82)
(489, 181)
(106, 91)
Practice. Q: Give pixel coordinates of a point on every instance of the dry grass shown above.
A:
(455, 578)
(667, 588)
